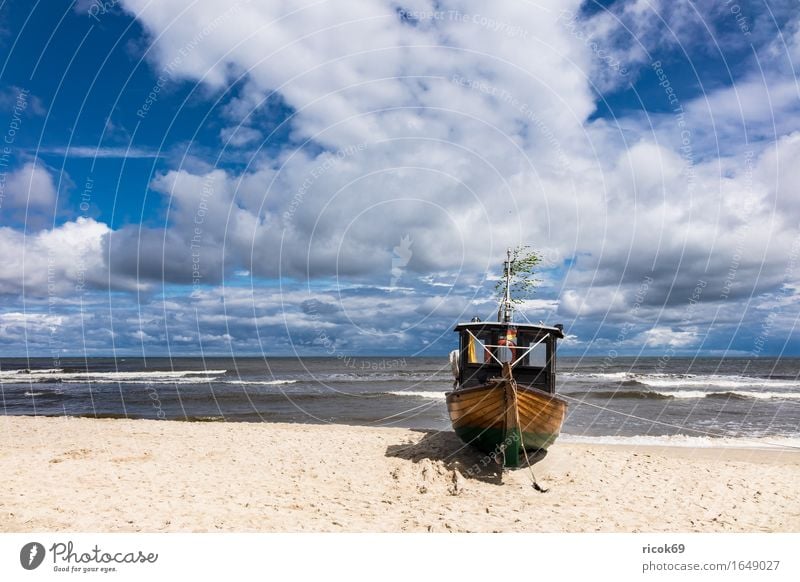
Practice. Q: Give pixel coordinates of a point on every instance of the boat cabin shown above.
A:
(531, 350)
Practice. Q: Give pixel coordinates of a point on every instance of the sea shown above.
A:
(675, 401)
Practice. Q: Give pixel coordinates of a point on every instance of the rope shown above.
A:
(535, 484)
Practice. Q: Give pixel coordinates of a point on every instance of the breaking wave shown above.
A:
(418, 394)
(25, 376)
(682, 394)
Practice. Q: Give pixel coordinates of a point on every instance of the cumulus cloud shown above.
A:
(58, 262)
(448, 101)
(665, 336)
(29, 193)
(464, 129)
(239, 136)
(391, 102)
(15, 325)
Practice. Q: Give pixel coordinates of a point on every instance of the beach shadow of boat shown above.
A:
(447, 448)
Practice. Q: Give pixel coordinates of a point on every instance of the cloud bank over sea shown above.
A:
(280, 177)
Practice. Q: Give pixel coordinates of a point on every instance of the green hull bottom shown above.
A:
(492, 441)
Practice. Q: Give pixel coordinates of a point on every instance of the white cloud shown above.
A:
(778, 171)
(239, 136)
(591, 301)
(32, 187)
(14, 325)
(665, 336)
(465, 130)
(78, 151)
(57, 263)
(538, 306)
(340, 65)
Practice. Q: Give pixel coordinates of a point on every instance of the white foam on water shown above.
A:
(26, 371)
(664, 380)
(141, 375)
(687, 441)
(419, 394)
(375, 377)
(193, 380)
(683, 393)
(261, 382)
(163, 377)
(597, 376)
(739, 393)
(732, 382)
(767, 395)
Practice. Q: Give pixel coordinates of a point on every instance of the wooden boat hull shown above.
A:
(501, 418)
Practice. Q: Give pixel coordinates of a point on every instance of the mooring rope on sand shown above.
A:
(535, 484)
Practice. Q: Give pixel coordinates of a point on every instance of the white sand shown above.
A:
(134, 475)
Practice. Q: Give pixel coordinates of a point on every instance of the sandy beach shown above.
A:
(77, 474)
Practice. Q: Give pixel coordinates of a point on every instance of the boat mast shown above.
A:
(506, 307)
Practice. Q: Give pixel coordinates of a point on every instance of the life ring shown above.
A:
(512, 346)
(502, 343)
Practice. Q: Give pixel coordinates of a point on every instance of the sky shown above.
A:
(343, 178)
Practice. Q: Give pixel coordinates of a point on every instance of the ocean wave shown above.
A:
(596, 375)
(190, 380)
(418, 394)
(29, 380)
(682, 394)
(607, 394)
(662, 380)
(687, 441)
(260, 382)
(147, 375)
(7, 373)
(715, 381)
(756, 395)
(156, 377)
(372, 377)
(632, 383)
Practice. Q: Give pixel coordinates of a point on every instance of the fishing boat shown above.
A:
(504, 401)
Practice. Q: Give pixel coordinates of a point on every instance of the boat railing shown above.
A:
(527, 351)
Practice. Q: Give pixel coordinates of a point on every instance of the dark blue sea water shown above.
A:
(621, 400)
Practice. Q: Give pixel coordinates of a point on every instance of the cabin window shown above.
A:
(537, 357)
(476, 353)
(506, 346)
